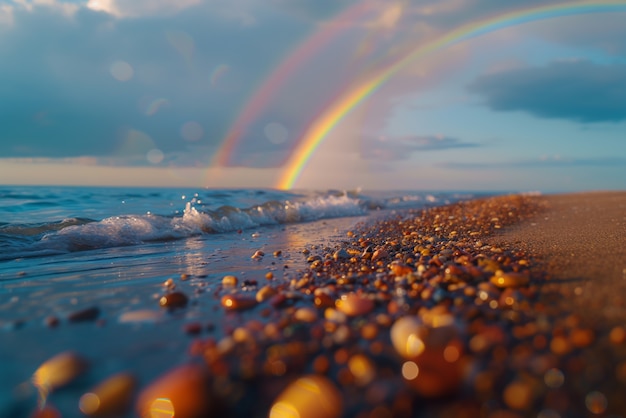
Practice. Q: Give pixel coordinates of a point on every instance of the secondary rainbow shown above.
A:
(287, 67)
(356, 93)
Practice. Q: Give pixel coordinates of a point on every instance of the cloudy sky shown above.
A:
(466, 94)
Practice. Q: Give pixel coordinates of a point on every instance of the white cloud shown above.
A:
(140, 8)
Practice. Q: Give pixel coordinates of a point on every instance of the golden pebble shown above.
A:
(258, 255)
(407, 336)
(265, 293)
(306, 315)
(112, 397)
(238, 302)
(181, 392)
(169, 283)
(362, 369)
(242, 335)
(379, 254)
(229, 281)
(509, 279)
(400, 269)
(352, 304)
(58, 371)
(518, 395)
(269, 275)
(334, 315)
(308, 397)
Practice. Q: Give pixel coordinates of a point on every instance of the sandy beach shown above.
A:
(579, 240)
(501, 307)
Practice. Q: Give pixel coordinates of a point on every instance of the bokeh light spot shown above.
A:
(121, 71)
(276, 133)
(155, 156)
(191, 131)
(554, 378)
(410, 370)
(89, 403)
(596, 402)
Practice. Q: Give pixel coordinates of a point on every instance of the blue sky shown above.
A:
(145, 92)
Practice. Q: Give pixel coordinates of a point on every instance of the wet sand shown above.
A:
(504, 307)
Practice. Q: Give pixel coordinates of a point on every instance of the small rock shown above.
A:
(58, 371)
(87, 314)
(238, 302)
(352, 304)
(174, 300)
(229, 281)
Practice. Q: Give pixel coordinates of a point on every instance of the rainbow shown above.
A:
(287, 67)
(353, 96)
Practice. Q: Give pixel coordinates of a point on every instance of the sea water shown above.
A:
(66, 249)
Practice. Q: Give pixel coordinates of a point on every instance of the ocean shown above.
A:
(82, 269)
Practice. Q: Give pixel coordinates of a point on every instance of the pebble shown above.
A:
(341, 254)
(83, 315)
(258, 255)
(141, 315)
(238, 302)
(306, 314)
(229, 281)
(192, 328)
(407, 336)
(181, 392)
(58, 371)
(379, 254)
(310, 396)
(174, 300)
(362, 369)
(509, 279)
(112, 397)
(265, 293)
(352, 304)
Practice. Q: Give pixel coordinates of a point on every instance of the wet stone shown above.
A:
(83, 315)
(174, 300)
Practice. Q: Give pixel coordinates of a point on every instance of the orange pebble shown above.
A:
(308, 397)
(354, 305)
(238, 302)
(182, 392)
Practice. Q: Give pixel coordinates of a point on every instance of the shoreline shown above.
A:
(459, 310)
